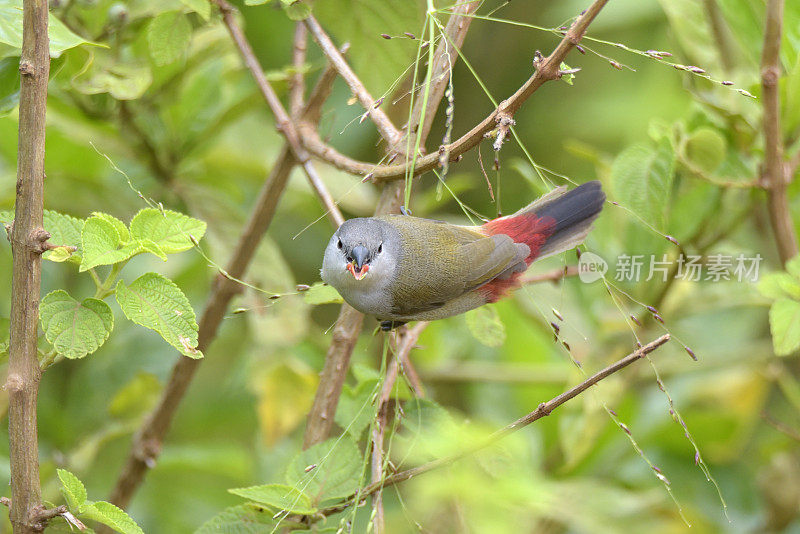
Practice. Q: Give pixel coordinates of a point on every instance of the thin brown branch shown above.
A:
(405, 340)
(382, 122)
(719, 31)
(781, 427)
(544, 409)
(548, 69)
(348, 325)
(551, 276)
(774, 171)
(297, 84)
(27, 237)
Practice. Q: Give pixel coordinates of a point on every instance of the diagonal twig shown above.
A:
(544, 409)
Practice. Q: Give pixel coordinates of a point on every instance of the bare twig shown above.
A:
(548, 69)
(297, 84)
(385, 127)
(774, 171)
(405, 341)
(781, 427)
(551, 276)
(543, 410)
(27, 237)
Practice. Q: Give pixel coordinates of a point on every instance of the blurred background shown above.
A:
(191, 132)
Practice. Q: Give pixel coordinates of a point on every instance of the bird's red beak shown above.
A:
(358, 275)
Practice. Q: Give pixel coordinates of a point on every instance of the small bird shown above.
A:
(401, 268)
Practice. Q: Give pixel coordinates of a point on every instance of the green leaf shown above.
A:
(485, 325)
(336, 471)
(778, 285)
(242, 519)
(355, 410)
(156, 302)
(75, 328)
(6, 216)
(793, 267)
(64, 230)
(784, 323)
(296, 10)
(61, 38)
(104, 241)
(169, 230)
(168, 37)
(5, 326)
(256, 2)
(279, 497)
(73, 490)
(642, 180)
(705, 149)
(201, 7)
(108, 514)
(9, 84)
(321, 293)
(123, 81)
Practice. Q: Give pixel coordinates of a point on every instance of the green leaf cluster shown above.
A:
(75, 495)
(784, 314)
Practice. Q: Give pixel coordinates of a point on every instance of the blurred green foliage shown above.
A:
(157, 89)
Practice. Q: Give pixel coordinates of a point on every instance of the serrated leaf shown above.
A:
(168, 37)
(279, 497)
(642, 180)
(110, 515)
(61, 38)
(321, 293)
(485, 325)
(103, 243)
(169, 230)
(784, 323)
(64, 230)
(73, 490)
(157, 303)
(356, 410)
(242, 519)
(705, 149)
(75, 328)
(337, 470)
(201, 7)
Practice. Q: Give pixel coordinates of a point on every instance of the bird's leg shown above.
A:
(386, 326)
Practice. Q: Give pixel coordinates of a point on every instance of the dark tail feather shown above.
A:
(573, 212)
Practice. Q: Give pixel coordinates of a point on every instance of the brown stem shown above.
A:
(774, 173)
(547, 69)
(27, 238)
(551, 276)
(384, 125)
(297, 83)
(543, 410)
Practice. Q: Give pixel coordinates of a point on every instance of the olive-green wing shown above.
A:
(445, 261)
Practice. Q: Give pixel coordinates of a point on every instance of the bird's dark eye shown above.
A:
(339, 244)
(380, 248)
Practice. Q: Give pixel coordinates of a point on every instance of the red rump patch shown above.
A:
(525, 228)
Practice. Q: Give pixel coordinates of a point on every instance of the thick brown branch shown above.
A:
(774, 173)
(548, 69)
(27, 238)
(297, 84)
(385, 127)
(543, 410)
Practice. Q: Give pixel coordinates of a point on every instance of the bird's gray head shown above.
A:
(361, 255)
